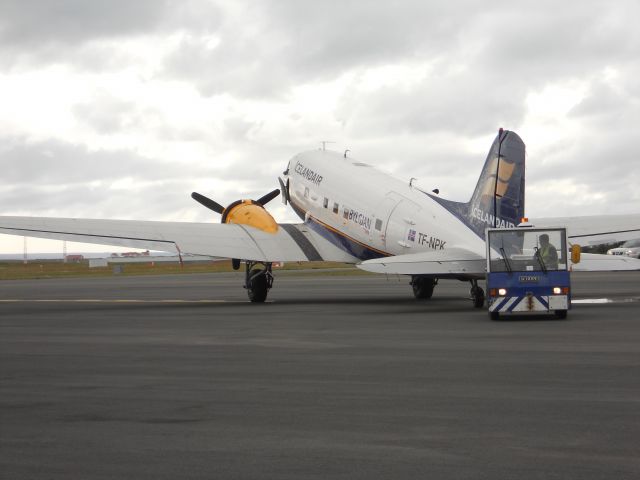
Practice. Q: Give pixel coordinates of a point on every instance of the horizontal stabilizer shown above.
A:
(593, 262)
(442, 263)
(595, 229)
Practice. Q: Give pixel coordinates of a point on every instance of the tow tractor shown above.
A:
(528, 271)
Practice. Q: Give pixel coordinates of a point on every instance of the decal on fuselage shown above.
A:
(434, 243)
(359, 218)
(307, 173)
(489, 219)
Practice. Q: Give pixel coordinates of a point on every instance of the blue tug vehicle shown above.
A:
(528, 271)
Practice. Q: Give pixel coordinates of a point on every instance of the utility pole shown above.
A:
(64, 251)
(24, 254)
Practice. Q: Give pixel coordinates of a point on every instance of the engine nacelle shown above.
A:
(249, 212)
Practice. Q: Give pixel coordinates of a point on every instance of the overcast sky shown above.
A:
(120, 109)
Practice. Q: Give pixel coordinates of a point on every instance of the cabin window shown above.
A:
(325, 203)
(378, 224)
(306, 192)
(345, 213)
(335, 207)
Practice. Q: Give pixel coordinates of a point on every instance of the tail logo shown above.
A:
(505, 172)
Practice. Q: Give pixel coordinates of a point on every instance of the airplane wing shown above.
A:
(452, 262)
(595, 229)
(291, 242)
(462, 263)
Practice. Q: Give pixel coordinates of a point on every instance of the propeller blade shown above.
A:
(207, 202)
(284, 190)
(268, 197)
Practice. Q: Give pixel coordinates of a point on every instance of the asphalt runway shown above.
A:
(336, 377)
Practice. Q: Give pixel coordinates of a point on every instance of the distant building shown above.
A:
(98, 262)
(74, 258)
(135, 254)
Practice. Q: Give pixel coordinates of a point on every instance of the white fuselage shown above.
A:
(369, 213)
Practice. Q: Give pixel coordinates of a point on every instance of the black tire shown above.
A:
(561, 314)
(423, 287)
(477, 295)
(494, 316)
(257, 288)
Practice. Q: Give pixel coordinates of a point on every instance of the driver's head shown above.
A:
(544, 239)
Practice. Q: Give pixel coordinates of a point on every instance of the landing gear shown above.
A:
(258, 280)
(477, 294)
(423, 286)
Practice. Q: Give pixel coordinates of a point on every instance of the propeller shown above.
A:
(268, 197)
(207, 202)
(249, 212)
(216, 207)
(285, 191)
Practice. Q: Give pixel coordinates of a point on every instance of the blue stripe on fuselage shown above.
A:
(352, 247)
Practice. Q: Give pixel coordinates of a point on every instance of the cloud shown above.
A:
(35, 32)
(52, 162)
(62, 179)
(34, 23)
(264, 49)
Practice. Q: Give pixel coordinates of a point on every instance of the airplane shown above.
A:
(353, 213)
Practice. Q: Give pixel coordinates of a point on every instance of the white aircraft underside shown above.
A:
(351, 213)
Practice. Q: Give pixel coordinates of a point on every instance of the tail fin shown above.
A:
(506, 197)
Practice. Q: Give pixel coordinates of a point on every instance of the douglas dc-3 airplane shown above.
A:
(351, 213)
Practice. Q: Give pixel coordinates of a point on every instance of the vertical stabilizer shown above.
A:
(495, 203)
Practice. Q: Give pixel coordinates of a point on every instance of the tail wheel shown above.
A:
(423, 287)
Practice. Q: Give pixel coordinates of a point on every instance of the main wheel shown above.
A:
(494, 315)
(257, 288)
(477, 295)
(422, 287)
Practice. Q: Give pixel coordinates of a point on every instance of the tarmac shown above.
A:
(335, 377)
